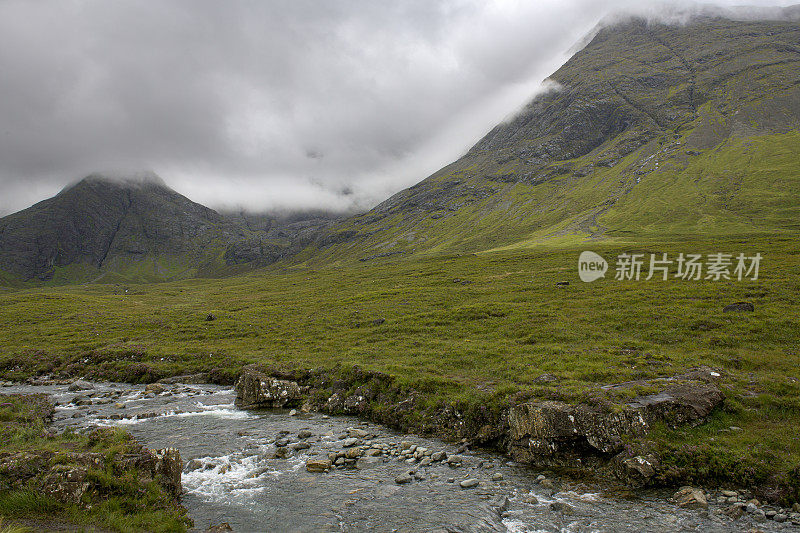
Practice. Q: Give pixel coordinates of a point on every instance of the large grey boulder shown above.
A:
(547, 429)
(255, 390)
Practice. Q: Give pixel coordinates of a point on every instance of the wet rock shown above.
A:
(357, 432)
(734, 511)
(300, 446)
(532, 500)
(561, 507)
(80, 385)
(304, 434)
(455, 460)
(168, 466)
(318, 465)
(352, 441)
(193, 465)
(497, 477)
(751, 508)
(469, 483)
(281, 452)
(635, 471)
(403, 479)
(119, 405)
(367, 462)
(352, 453)
(439, 456)
(691, 498)
(745, 307)
(155, 388)
(780, 518)
(255, 389)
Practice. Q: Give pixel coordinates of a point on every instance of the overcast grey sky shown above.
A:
(270, 104)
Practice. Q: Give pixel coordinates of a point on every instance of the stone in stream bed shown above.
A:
(304, 434)
(352, 453)
(352, 441)
(691, 498)
(561, 507)
(402, 479)
(80, 385)
(318, 465)
(439, 456)
(469, 483)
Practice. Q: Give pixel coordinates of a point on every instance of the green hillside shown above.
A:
(654, 131)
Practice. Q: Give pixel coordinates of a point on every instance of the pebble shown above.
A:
(304, 434)
(352, 441)
(497, 477)
(469, 483)
(293, 412)
(730, 493)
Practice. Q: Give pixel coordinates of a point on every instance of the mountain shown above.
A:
(650, 131)
(137, 228)
(101, 224)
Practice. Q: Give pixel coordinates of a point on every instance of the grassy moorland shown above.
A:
(116, 497)
(471, 329)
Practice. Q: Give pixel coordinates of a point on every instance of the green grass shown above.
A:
(489, 339)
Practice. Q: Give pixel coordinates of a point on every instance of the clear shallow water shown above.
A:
(238, 480)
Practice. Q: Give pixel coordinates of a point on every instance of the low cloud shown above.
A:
(279, 104)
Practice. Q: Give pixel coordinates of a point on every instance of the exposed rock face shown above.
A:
(561, 433)
(254, 390)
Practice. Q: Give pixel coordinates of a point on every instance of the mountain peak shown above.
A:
(126, 179)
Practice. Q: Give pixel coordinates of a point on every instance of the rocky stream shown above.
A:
(283, 470)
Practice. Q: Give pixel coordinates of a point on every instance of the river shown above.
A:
(232, 475)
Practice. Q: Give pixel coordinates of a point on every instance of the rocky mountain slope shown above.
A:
(651, 130)
(138, 229)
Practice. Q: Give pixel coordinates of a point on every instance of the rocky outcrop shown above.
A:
(565, 434)
(66, 476)
(257, 390)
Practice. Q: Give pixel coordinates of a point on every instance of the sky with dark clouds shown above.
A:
(276, 103)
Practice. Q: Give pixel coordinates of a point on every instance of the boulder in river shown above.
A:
(254, 390)
(318, 465)
(80, 385)
(691, 498)
(403, 479)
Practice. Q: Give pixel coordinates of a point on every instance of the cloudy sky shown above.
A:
(270, 104)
